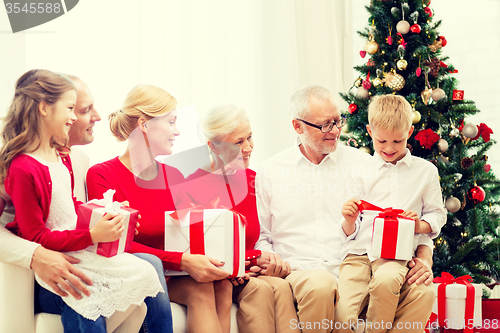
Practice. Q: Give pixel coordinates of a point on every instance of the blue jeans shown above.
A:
(158, 318)
(159, 315)
(47, 301)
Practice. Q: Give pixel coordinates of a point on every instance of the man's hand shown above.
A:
(203, 268)
(421, 267)
(274, 267)
(57, 271)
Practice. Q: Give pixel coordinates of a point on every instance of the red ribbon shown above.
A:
(446, 279)
(196, 229)
(431, 320)
(391, 225)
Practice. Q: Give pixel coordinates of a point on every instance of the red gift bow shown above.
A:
(391, 226)
(446, 279)
(196, 228)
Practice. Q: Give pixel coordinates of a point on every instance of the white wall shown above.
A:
(253, 54)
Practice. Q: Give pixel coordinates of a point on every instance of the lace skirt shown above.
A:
(118, 282)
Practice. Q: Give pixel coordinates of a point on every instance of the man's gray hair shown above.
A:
(299, 103)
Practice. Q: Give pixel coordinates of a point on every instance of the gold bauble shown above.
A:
(426, 95)
(394, 81)
(377, 82)
(403, 27)
(372, 47)
(415, 117)
(402, 64)
(345, 129)
(358, 82)
(365, 149)
(438, 94)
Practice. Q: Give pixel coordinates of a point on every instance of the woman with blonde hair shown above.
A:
(265, 299)
(147, 120)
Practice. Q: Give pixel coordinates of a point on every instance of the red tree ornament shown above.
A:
(441, 38)
(476, 194)
(458, 95)
(427, 138)
(353, 108)
(428, 11)
(362, 54)
(415, 29)
(487, 168)
(418, 71)
(484, 131)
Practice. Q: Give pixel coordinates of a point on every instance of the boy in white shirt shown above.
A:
(403, 181)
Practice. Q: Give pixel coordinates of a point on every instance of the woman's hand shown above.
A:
(108, 229)
(236, 281)
(203, 268)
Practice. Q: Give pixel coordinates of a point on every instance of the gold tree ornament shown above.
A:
(416, 116)
(394, 81)
(377, 82)
(402, 64)
(372, 47)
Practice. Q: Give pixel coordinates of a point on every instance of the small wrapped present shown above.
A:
(217, 233)
(392, 236)
(458, 304)
(91, 212)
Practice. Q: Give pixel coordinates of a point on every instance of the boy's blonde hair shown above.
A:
(390, 113)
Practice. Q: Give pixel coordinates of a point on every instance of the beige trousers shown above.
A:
(393, 305)
(315, 294)
(265, 305)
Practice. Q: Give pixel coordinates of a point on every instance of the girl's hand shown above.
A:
(236, 281)
(108, 229)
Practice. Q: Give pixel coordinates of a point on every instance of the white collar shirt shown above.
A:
(410, 184)
(299, 205)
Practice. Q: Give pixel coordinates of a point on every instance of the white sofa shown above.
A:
(17, 306)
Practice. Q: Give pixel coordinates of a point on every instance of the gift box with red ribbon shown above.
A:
(392, 235)
(91, 212)
(217, 233)
(458, 304)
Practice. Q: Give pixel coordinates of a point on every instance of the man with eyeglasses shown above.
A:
(300, 193)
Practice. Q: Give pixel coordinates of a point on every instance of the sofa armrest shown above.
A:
(16, 299)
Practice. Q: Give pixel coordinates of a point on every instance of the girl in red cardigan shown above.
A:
(147, 120)
(40, 186)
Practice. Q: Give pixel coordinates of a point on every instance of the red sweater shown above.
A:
(151, 198)
(203, 187)
(29, 185)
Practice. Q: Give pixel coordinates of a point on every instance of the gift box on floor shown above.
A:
(91, 212)
(458, 302)
(392, 235)
(217, 233)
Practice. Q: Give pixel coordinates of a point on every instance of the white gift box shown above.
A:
(219, 234)
(455, 306)
(393, 239)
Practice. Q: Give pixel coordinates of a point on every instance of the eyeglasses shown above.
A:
(326, 127)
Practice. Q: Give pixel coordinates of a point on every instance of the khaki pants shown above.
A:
(315, 293)
(265, 305)
(394, 306)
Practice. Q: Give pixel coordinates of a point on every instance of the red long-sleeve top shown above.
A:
(151, 198)
(29, 185)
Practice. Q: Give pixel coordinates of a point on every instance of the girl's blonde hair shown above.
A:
(221, 121)
(21, 125)
(144, 101)
(390, 113)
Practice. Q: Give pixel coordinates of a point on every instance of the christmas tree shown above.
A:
(403, 53)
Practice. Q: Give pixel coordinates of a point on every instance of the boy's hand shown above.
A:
(108, 229)
(421, 227)
(350, 210)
